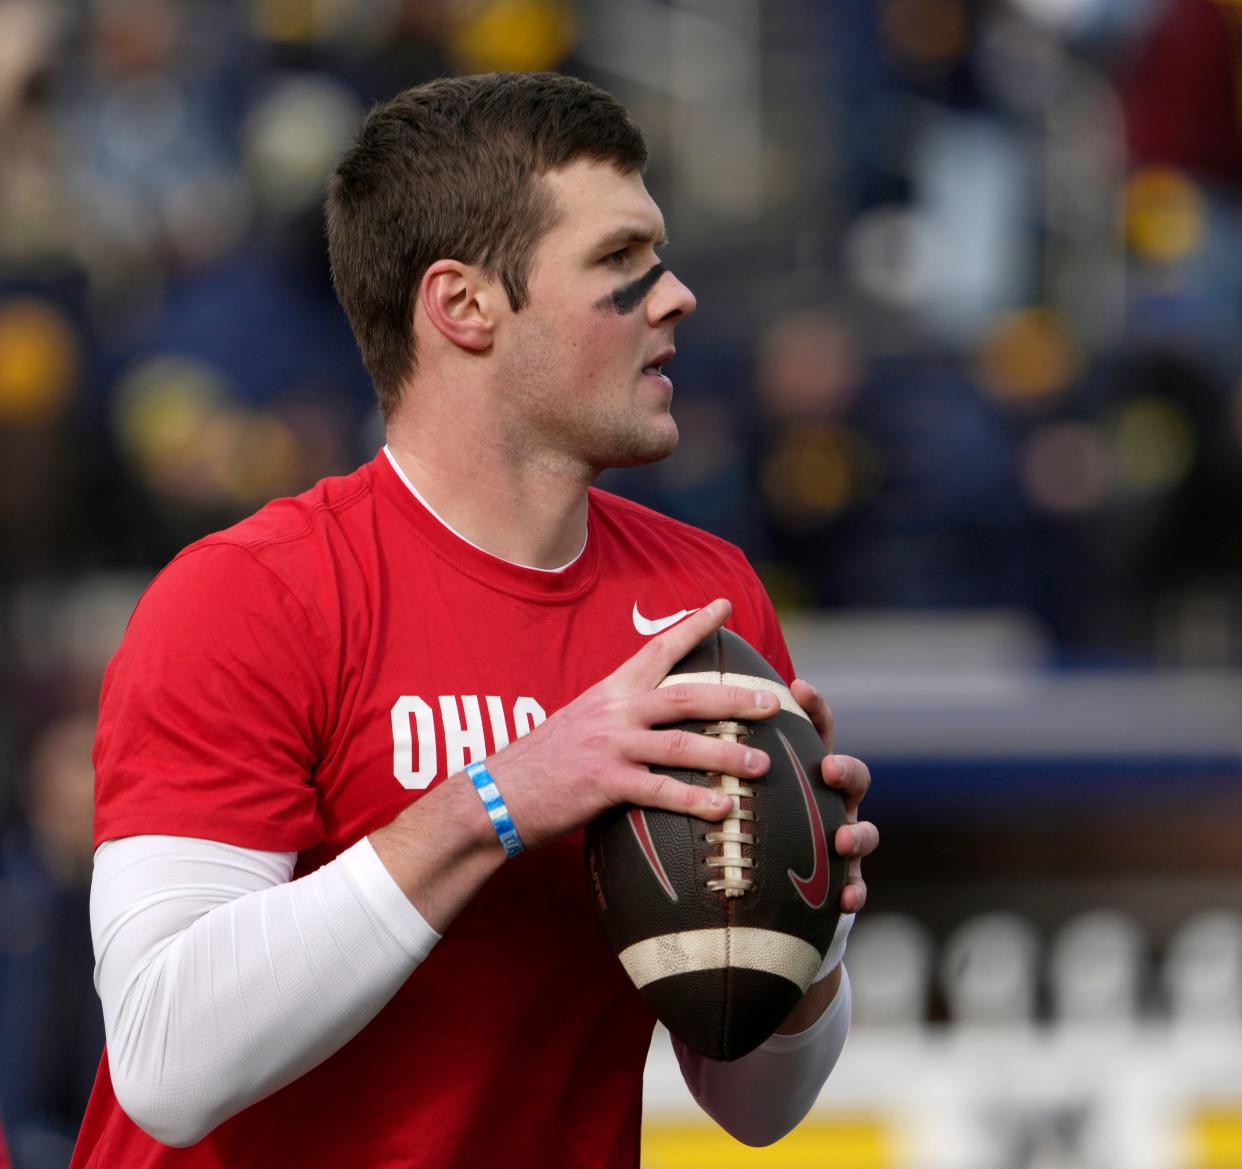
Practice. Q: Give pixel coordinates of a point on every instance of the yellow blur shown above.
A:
(846, 1143)
(1215, 1139)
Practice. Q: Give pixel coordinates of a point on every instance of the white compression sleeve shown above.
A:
(763, 1095)
(222, 980)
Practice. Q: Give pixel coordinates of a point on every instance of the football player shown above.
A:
(348, 746)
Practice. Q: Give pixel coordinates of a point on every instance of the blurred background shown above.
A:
(965, 382)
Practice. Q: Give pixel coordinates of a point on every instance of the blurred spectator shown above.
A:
(1170, 537)
(37, 222)
(816, 470)
(883, 485)
(49, 1014)
(1181, 91)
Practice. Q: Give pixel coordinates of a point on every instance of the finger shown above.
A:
(687, 751)
(856, 840)
(812, 701)
(854, 894)
(699, 701)
(651, 789)
(850, 776)
(651, 664)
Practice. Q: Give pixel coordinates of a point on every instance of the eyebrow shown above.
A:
(632, 235)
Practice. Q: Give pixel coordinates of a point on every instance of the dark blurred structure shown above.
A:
(49, 1018)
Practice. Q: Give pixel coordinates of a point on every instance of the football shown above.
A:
(722, 925)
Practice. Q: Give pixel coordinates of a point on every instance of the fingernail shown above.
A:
(764, 700)
(719, 800)
(748, 760)
(839, 761)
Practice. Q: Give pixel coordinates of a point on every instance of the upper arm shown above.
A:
(147, 891)
(213, 710)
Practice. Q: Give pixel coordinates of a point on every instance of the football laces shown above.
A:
(729, 864)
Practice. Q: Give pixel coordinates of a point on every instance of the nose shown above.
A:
(670, 300)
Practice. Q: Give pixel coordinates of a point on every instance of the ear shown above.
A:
(458, 302)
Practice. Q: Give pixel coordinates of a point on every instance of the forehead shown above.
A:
(596, 201)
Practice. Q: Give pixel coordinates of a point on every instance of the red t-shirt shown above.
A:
(290, 684)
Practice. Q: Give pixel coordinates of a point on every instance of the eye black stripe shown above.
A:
(629, 296)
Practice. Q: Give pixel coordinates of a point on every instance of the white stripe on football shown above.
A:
(736, 947)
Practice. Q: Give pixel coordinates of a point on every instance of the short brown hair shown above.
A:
(450, 169)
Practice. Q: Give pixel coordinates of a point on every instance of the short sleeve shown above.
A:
(213, 709)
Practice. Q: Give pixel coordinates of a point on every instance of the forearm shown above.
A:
(222, 981)
(823, 989)
(440, 850)
(762, 1096)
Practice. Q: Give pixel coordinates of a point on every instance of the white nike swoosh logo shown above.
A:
(649, 628)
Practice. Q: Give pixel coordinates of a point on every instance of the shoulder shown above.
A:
(295, 540)
(333, 503)
(615, 514)
(706, 565)
(281, 563)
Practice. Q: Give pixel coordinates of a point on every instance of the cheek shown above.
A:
(613, 345)
(603, 348)
(579, 353)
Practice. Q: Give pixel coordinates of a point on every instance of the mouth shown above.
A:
(655, 367)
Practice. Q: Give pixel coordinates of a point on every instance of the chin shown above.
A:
(648, 447)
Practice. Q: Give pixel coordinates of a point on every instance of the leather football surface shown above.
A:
(722, 926)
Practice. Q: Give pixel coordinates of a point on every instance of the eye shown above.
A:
(617, 258)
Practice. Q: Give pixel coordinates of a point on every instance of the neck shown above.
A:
(525, 514)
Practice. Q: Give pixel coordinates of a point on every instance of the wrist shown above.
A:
(440, 849)
(496, 808)
(817, 999)
(836, 948)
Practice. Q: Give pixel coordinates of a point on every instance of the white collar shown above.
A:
(465, 539)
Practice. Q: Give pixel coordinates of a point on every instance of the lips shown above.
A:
(655, 367)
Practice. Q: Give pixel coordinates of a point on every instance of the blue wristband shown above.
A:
(494, 802)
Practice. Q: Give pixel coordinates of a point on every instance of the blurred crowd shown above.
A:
(996, 360)
(968, 336)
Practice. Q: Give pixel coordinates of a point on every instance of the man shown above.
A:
(316, 943)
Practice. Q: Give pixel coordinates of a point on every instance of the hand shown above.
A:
(856, 838)
(598, 750)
